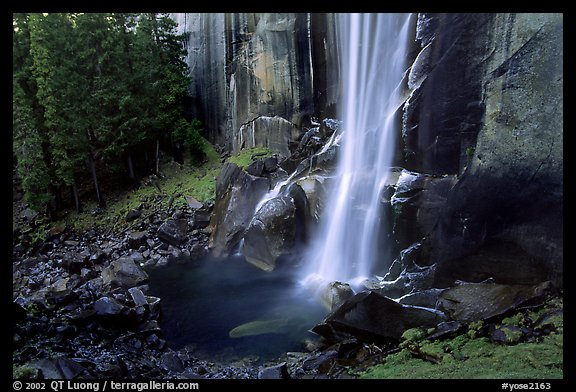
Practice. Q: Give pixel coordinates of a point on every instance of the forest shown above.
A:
(96, 95)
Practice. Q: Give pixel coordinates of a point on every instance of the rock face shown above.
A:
(494, 84)
(480, 301)
(271, 233)
(252, 74)
(238, 193)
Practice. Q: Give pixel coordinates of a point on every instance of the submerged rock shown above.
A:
(260, 327)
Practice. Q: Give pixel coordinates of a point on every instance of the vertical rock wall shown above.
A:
(487, 106)
(256, 78)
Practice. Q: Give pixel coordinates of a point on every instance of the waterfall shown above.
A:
(373, 52)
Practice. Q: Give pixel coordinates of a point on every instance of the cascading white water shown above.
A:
(373, 52)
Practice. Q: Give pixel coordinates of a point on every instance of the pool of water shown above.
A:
(203, 301)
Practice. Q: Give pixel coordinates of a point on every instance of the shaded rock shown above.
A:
(171, 362)
(137, 239)
(446, 329)
(321, 362)
(426, 298)
(107, 306)
(138, 296)
(491, 225)
(372, 317)
(124, 272)
(276, 372)
(173, 231)
(200, 219)
(270, 164)
(237, 194)
(505, 334)
(57, 368)
(271, 233)
(256, 168)
(73, 262)
(470, 302)
(133, 215)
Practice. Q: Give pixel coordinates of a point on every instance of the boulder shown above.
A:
(237, 195)
(271, 233)
(133, 215)
(124, 272)
(200, 219)
(371, 317)
(137, 239)
(470, 302)
(173, 231)
(276, 372)
(108, 307)
(138, 296)
(193, 203)
(57, 368)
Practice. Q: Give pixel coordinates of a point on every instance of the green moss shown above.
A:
(516, 320)
(23, 372)
(246, 157)
(179, 181)
(465, 357)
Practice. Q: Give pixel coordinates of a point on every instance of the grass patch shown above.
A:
(471, 357)
(247, 156)
(179, 181)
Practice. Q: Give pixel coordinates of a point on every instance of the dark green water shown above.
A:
(203, 301)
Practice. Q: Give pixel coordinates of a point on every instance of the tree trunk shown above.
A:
(76, 197)
(131, 173)
(157, 156)
(92, 166)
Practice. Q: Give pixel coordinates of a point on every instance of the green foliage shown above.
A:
(189, 135)
(469, 356)
(247, 156)
(23, 372)
(93, 88)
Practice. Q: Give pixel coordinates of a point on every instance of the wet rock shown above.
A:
(124, 272)
(256, 168)
(426, 298)
(371, 317)
(237, 194)
(173, 231)
(470, 302)
(137, 239)
(276, 372)
(335, 293)
(271, 233)
(270, 164)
